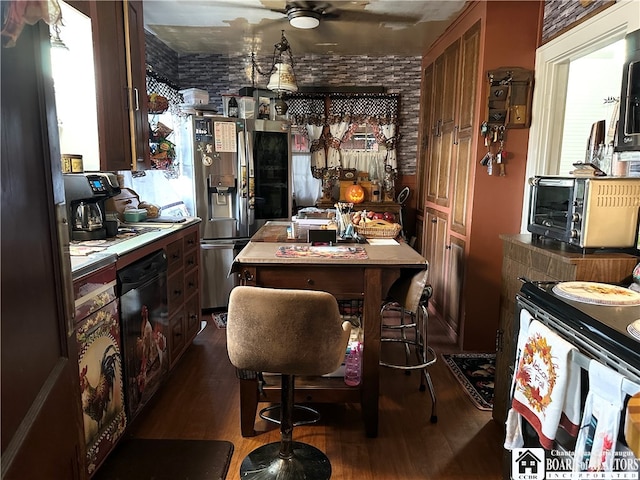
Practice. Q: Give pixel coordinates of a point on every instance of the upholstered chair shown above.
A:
(290, 332)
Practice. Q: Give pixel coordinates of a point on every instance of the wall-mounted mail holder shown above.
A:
(510, 94)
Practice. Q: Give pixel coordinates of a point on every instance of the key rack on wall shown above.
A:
(509, 100)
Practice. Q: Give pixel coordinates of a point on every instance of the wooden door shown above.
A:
(41, 417)
(454, 282)
(426, 141)
(435, 252)
(465, 130)
(446, 129)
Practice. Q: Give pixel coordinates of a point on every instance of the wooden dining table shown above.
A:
(362, 272)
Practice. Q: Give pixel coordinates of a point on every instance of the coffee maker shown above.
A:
(85, 194)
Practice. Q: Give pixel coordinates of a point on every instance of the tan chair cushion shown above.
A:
(295, 332)
(408, 291)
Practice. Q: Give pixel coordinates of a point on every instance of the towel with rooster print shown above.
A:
(547, 384)
(596, 444)
(96, 398)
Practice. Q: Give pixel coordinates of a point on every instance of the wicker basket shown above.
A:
(379, 229)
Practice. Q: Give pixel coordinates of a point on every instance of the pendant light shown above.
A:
(282, 77)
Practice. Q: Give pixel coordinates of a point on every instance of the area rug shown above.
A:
(476, 373)
(146, 459)
(220, 319)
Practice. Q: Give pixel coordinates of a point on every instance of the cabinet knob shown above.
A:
(309, 281)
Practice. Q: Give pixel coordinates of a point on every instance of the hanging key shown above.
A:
(484, 131)
(486, 159)
(490, 165)
(494, 138)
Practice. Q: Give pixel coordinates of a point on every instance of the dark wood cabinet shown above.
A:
(119, 62)
(183, 283)
(136, 83)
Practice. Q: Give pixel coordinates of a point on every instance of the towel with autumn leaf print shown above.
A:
(596, 444)
(547, 384)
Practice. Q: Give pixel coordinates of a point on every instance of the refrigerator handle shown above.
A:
(243, 182)
(250, 179)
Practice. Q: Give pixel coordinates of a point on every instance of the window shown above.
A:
(552, 70)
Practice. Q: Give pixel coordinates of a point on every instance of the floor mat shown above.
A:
(220, 319)
(159, 459)
(476, 373)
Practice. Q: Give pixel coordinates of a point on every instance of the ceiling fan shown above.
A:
(306, 14)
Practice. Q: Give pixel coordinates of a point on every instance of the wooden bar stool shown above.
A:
(404, 321)
(290, 332)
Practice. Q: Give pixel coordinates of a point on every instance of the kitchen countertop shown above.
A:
(83, 264)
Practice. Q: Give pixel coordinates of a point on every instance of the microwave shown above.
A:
(586, 212)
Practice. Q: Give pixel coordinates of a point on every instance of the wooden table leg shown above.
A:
(370, 379)
(248, 406)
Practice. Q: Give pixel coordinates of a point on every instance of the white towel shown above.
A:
(543, 374)
(596, 444)
(513, 425)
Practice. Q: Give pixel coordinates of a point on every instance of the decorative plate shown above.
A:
(597, 293)
(634, 329)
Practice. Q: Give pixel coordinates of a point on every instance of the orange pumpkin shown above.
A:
(354, 194)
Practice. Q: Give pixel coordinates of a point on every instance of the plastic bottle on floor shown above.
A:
(352, 367)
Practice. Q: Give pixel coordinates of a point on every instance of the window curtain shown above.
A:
(365, 161)
(378, 110)
(388, 131)
(338, 127)
(318, 158)
(306, 188)
(308, 111)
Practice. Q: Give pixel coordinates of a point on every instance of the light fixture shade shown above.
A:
(282, 79)
(301, 18)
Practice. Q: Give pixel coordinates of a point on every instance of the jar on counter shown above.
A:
(375, 191)
(72, 163)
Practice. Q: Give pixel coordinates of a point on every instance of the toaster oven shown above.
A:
(593, 212)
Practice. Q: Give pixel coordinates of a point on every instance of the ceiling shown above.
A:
(374, 27)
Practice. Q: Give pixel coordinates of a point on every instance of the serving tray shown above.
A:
(597, 293)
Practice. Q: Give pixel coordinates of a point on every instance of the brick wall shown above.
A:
(560, 15)
(163, 59)
(220, 74)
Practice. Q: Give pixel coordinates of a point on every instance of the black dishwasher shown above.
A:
(142, 288)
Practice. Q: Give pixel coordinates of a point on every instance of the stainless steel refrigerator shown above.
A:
(242, 175)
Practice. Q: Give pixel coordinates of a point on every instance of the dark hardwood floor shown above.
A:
(201, 401)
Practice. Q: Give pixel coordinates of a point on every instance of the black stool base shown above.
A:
(307, 462)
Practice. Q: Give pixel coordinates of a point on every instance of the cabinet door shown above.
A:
(464, 130)
(137, 88)
(454, 282)
(435, 252)
(107, 21)
(445, 91)
(426, 143)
